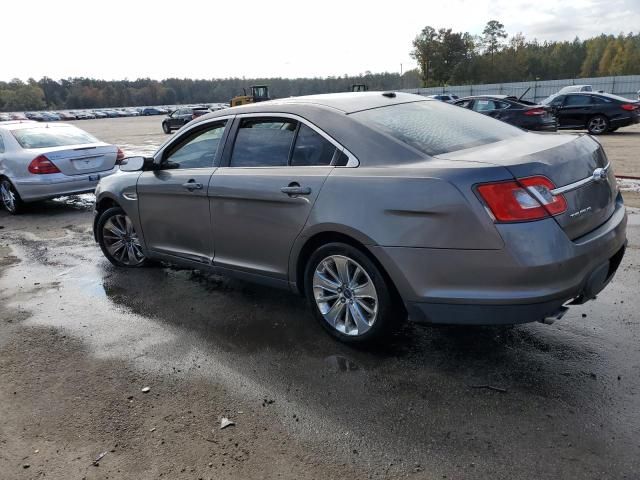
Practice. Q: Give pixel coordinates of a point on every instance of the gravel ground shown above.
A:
(79, 340)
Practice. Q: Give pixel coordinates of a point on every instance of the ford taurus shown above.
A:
(376, 206)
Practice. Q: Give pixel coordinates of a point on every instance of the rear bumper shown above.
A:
(525, 281)
(41, 187)
(624, 121)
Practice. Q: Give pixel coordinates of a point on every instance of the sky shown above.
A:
(119, 39)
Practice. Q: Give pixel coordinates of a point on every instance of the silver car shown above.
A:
(42, 160)
(376, 206)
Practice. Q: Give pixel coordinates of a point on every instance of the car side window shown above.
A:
(263, 142)
(198, 151)
(577, 101)
(600, 100)
(556, 102)
(486, 105)
(311, 149)
(464, 103)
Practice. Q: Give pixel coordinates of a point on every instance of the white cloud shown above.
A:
(199, 39)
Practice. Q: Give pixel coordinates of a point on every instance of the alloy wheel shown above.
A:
(597, 125)
(345, 295)
(121, 240)
(8, 197)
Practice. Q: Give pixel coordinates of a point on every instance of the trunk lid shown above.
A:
(82, 159)
(563, 159)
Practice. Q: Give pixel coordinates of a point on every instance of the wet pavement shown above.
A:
(563, 402)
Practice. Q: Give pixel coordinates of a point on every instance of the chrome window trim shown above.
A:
(352, 161)
(596, 176)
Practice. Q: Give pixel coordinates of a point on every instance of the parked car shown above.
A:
(34, 116)
(50, 116)
(99, 114)
(17, 116)
(575, 88)
(87, 115)
(598, 113)
(181, 117)
(151, 111)
(510, 110)
(444, 97)
(66, 116)
(43, 160)
(375, 205)
(5, 117)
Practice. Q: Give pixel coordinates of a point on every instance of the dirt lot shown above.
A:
(79, 340)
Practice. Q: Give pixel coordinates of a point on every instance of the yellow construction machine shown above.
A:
(259, 93)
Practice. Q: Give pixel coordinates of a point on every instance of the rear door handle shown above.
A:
(295, 189)
(191, 185)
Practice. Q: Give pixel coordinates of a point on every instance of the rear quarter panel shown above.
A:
(430, 204)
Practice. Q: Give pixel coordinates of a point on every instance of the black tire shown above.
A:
(10, 198)
(389, 315)
(598, 125)
(165, 128)
(116, 213)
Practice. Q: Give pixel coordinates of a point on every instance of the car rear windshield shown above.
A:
(46, 137)
(435, 128)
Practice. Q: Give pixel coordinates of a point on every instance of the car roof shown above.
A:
(348, 102)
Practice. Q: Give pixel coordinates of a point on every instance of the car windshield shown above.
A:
(549, 99)
(435, 128)
(45, 137)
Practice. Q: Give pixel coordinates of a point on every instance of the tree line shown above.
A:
(446, 57)
(443, 57)
(79, 93)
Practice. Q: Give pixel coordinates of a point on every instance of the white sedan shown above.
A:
(44, 160)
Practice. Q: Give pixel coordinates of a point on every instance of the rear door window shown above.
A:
(577, 101)
(263, 142)
(484, 105)
(311, 148)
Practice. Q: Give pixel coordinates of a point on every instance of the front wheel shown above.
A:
(118, 239)
(349, 295)
(165, 128)
(598, 124)
(10, 198)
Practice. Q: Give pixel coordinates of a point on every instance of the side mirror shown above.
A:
(135, 164)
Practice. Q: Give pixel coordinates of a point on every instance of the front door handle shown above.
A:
(192, 185)
(294, 189)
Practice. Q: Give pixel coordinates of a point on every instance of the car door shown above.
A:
(576, 110)
(172, 200)
(261, 199)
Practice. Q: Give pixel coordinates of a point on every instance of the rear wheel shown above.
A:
(10, 198)
(118, 239)
(349, 295)
(598, 124)
(165, 127)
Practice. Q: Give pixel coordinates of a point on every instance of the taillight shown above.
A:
(119, 157)
(629, 107)
(535, 111)
(522, 200)
(42, 165)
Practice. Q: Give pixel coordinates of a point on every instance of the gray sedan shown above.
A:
(42, 160)
(376, 206)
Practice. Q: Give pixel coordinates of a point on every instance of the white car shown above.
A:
(575, 88)
(46, 160)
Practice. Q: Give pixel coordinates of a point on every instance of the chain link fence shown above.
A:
(625, 86)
